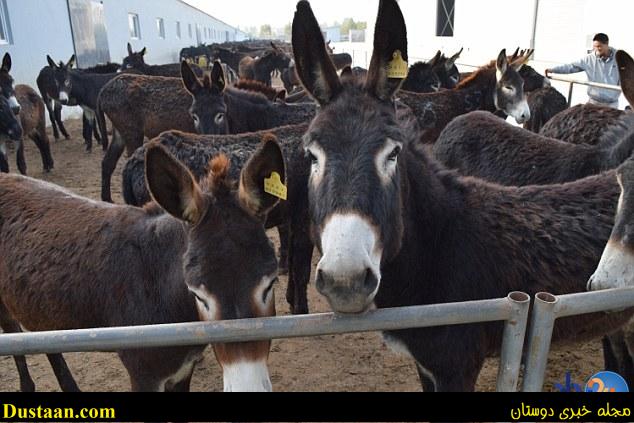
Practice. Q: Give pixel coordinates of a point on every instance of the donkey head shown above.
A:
(509, 95)
(354, 145)
(616, 268)
(230, 265)
(208, 108)
(134, 60)
(9, 123)
(63, 84)
(422, 76)
(6, 83)
(447, 71)
(533, 80)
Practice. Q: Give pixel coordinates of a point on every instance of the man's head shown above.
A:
(600, 43)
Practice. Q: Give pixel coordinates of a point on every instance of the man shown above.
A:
(600, 66)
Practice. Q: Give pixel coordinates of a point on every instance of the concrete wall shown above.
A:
(53, 36)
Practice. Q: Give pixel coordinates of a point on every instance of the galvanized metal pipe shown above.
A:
(588, 83)
(548, 307)
(200, 333)
(540, 334)
(513, 343)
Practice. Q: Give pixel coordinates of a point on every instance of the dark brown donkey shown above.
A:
(207, 258)
(142, 106)
(479, 144)
(397, 229)
(195, 150)
(495, 87)
(135, 61)
(260, 68)
(583, 123)
(33, 121)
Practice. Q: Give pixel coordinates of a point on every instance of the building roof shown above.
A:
(205, 13)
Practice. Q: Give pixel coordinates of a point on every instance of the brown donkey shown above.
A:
(68, 262)
(33, 120)
(395, 228)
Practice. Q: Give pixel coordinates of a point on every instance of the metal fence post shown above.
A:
(572, 85)
(540, 335)
(513, 342)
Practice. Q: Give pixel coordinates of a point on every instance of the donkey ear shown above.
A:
(6, 62)
(626, 73)
(267, 159)
(501, 65)
(314, 66)
(71, 62)
(388, 66)
(436, 58)
(515, 54)
(172, 185)
(51, 62)
(130, 52)
(452, 60)
(190, 80)
(218, 78)
(142, 52)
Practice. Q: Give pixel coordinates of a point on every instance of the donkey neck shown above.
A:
(479, 90)
(86, 87)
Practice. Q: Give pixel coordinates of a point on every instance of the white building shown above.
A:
(99, 30)
(559, 30)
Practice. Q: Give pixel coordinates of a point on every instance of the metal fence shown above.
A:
(547, 308)
(572, 83)
(513, 310)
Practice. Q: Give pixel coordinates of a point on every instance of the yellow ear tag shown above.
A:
(275, 187)
(397, 68)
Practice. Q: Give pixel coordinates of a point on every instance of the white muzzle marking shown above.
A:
(521, 109)
(349, 247)
(615, 270)
(247, 376)
(63, 96)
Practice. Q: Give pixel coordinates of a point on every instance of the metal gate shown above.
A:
(90, 35)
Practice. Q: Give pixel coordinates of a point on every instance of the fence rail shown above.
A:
(513, 310)
(547, 308)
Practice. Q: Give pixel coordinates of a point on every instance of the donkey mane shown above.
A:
(474, 76)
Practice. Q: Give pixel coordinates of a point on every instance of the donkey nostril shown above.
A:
(370, 281)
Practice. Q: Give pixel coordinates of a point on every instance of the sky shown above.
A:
(277, 13)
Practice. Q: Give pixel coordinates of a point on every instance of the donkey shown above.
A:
(9, 124)
(140, 106)
(82, 89)
(207, 258)
(270, 93)
(136, 62)
(428, 77)
(6, 83)
(545, 103)
(195, 150)
(260, 68)
(478, 144)
(583, 123)
(395, 228)
(495, 87)
(33, 124)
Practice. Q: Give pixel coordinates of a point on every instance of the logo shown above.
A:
(606, 382)
(568, 386)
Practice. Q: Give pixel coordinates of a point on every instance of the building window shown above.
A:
(160, 26)
(134, 25)
(5, 27)
(189, 28)
(445, 18)
(178, 29)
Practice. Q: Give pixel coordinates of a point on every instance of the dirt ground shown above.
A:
(356, 362)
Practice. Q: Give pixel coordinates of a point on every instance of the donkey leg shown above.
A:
(19, 157)
(284, 233)
(9, 325)
(62, 373)
(109, 164)
(51, 114)
(300, 255)
(87, 132)
(4, 165)
(60, 122)
(41, 141)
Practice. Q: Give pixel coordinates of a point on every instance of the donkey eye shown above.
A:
(313, 159)
(220, 117)
(203, 302)
(508, 87)
(394, 154)
(267, 291)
